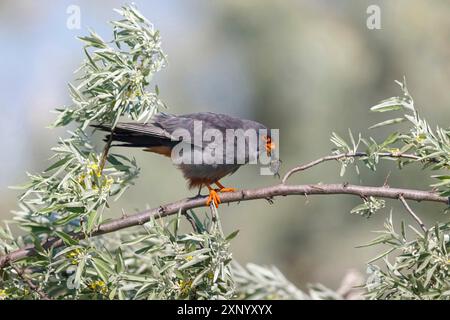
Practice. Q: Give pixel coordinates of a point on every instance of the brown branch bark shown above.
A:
(238, 196)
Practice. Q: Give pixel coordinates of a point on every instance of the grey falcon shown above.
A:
(159, 136)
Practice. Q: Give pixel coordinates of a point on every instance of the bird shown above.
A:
(161, 135)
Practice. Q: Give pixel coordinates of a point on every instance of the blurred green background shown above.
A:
(306, 67)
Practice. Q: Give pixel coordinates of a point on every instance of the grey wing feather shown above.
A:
(162, 129)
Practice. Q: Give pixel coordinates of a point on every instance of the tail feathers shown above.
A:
(137, 141)
(137, 135)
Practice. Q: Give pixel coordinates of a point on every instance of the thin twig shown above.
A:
(241, 195)
(411, 212)
(346, 155)
(385, 184)
(106, 151)
(190, 220)
(30, 283)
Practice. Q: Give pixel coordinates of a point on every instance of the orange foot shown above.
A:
(214, 194)
(213, 197)
(223, 189)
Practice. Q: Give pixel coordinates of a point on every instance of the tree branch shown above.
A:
(238, 196)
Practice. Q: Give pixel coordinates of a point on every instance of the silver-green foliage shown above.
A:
(113, 83)
(414, 267)
(113, 79)
(418, 267)
(154, 262)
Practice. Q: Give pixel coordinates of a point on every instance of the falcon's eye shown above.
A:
(269, 145)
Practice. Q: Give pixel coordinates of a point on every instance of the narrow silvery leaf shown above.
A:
(387, 122)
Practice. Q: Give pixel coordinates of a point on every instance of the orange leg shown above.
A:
(214, 194)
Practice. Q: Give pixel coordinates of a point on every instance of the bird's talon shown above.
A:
(214, 194)
(214, 198)
(227, 190)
